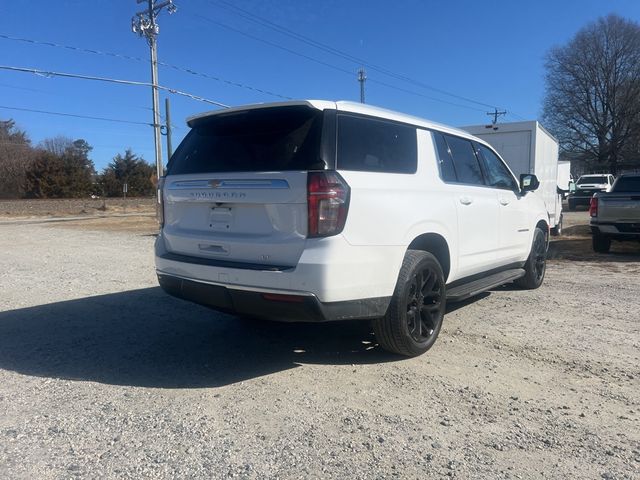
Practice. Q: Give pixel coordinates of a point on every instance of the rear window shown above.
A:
(465, 160)
(370, 145)
(597, 180)
(627, 184)
(447, 169)
(264, 139)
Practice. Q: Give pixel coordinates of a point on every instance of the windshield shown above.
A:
(264, 139)
(597, 180)
(627, 184)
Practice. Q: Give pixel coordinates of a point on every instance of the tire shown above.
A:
(414, 317)
(601, 243)
(536, 264)
(557, 230)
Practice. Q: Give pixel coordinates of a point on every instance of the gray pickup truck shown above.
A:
(616, 215)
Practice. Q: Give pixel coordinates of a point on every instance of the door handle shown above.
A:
(503, 201)
(466, 200)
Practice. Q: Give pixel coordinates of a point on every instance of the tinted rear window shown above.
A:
(596, 180)
(265, 139)
(447, 169)
(627, 184)
(370, 145)
(465, 160)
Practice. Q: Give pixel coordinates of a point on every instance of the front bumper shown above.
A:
(278, 306)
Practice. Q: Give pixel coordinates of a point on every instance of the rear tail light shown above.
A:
(160, 202)
(328, 203)
(593, 207)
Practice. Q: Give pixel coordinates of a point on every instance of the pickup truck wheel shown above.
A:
(414, 317)
(601, 243)
(536, 264)
(557, 230)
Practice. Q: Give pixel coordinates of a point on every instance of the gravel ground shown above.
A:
(104, 376)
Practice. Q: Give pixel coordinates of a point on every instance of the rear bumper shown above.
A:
(271, 305)
(616, 231)
(329, 268)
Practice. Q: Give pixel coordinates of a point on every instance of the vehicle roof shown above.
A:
(344, 106)
(595, 175)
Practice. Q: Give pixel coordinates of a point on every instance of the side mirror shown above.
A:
(528, 182)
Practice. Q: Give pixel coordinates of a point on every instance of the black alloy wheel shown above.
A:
(536, 265)
(414, 317)
(424, 302)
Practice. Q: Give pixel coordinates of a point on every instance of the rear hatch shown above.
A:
(236, 187)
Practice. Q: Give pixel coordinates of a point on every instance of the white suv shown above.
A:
(317, 211)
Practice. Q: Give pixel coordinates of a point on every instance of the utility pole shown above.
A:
(362, 77)
(167, 119)
(495, 114)
(144, 24)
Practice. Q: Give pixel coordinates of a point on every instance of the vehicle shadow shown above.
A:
(146, 338)
(579, 249)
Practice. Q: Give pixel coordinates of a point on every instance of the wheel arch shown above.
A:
(437, 245)
(543, 225)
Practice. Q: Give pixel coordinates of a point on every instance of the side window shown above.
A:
(370, 145)
(465, 160)
(445, 162)
(497, 174)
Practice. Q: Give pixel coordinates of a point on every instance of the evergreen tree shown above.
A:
(130, 169)
(16, 153)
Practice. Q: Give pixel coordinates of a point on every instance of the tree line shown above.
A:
(60, 167)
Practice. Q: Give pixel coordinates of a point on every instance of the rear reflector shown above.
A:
(276, 297)
(328, 203)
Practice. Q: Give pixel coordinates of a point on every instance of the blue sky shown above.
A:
(488, 51)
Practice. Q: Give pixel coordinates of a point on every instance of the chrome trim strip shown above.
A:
(237, 287)
(271, 184)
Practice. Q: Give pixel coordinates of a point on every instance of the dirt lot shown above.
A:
(104, 376)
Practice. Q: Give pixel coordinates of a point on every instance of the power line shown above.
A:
(190, 71)
(48, 74)
(267, 42)
(418, 94)
(334, 51)
(63, 114)
(334, 67)
(237, 84)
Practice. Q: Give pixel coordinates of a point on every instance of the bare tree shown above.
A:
(57, 145)
(592, 101)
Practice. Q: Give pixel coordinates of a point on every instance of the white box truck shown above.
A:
(528, 148)
(565, 179)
